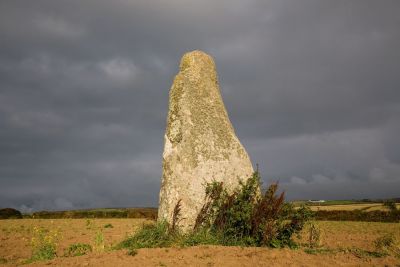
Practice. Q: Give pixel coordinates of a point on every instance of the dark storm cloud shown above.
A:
(312, 89)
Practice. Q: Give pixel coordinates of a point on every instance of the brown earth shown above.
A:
(340, 241)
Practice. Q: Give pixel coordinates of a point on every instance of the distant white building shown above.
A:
(316, 201)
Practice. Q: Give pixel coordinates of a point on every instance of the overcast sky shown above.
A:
(311, 87)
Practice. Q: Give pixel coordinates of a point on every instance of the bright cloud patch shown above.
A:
(119, 69)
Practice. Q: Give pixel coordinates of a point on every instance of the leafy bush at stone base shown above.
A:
(244, 217)
(78, 249)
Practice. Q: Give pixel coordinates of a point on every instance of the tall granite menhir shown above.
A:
(200, 142)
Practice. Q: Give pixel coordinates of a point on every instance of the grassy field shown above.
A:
(329, 202)
(352, 206)
(340, 243)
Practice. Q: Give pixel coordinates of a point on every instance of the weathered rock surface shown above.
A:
(200, 142)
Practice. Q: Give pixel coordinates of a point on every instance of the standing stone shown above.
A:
(200, 142)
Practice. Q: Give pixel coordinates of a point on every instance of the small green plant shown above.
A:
(315, 251)
(44, 244)
(89, 224)
(149, 236)
(3, 260)
(132, 252)
(78, 249)
(108, 225)
(99, 241)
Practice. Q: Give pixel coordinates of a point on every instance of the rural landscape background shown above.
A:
(311, 88)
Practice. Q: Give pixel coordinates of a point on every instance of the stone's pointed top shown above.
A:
(196, 58)
(196, 53)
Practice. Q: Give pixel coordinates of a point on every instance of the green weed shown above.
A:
(99, 241)
(44, 244)
(315, 251)
(132, 252)
(108, 225)
(89, 224)
(78, 249)
(149, 236)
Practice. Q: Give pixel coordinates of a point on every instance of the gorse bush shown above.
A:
(244, 217)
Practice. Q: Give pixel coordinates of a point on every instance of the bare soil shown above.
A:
(339, 241)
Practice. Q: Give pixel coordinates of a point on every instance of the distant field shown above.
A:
(358, 206)
(341, 244)
(331, 202)
(338, 210)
